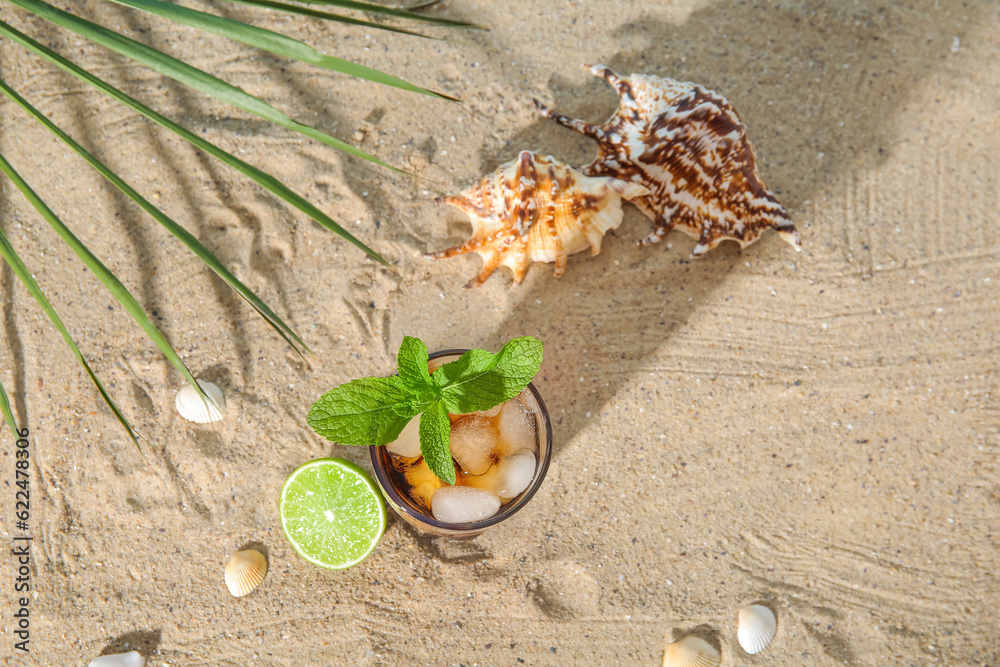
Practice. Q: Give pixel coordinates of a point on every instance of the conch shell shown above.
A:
(688, 146)
(536, 209)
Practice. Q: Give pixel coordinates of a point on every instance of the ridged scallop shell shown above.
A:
(194, 408)
(757, 627)
(536, 209)
(130, 659)
(691, 652)
(244, 572)
(688, 146)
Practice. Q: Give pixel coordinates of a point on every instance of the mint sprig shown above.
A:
(373, 411)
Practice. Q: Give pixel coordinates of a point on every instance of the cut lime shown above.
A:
(332, 513)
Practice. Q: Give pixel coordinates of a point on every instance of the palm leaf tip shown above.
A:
(327, 16)
(7, 413)
(398, 12)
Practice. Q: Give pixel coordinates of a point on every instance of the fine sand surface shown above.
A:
(817, 430)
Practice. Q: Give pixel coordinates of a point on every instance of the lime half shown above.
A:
(332, 513)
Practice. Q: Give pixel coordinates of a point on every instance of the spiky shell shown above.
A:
(691, 651)
(536, 209)
(688, 146)
(757, 626)
(193, 407)
(130, 659)
(244, 572)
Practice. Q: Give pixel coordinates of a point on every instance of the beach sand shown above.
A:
(817, 430)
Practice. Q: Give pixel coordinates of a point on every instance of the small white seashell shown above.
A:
(194, 408)
(691, 652)
(245, 571)
(130, 659)
(757, 627)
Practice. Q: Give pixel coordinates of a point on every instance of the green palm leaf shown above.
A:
(188, 75)
(315, 13)
(393, 11)
(111, 282)
(8, 416)
(185, 237)
(21, 271)
(262, 178)
(210, 85)
(269, 40)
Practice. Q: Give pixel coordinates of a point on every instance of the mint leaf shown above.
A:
(360, 412)
(412, 406)
(479, 380)
(411, 362)
(373, 411)
(435, 429)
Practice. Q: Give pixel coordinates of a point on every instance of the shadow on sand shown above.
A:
(629, 301)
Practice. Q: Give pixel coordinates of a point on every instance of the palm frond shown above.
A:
(111, 282)
(182, 234)
(188, 75)
(328, 16)
(259, 176)
(6, 413)
(208, 84)
(268, 40)
(21, 271)
(403, 13)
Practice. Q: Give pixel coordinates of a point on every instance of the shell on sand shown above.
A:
(536, 209)
(244, 572)
(757, 626)
(691, 652)
(130, 659)
(191, 406)
(689, 148)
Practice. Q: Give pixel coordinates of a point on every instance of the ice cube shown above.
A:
(486, 481)
(489, 414)
(423, 482)
(408, 442)
(463, 504)
(517, 428)
(473, 440)
(515, 474)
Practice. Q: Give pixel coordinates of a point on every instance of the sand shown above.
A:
(815, 430)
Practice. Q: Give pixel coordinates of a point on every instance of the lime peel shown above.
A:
(332, 513)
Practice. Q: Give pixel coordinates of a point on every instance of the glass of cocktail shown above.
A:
(501, 456)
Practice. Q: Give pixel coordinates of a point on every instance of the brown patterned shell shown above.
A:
(688, 146)
(536, 209)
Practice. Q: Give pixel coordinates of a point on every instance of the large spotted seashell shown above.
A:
(194, 408)
(691, 651)
(244, 572)
(130, 659)
(536, 209)
(688, 146)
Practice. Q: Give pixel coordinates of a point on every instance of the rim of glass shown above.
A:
(403, 505)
